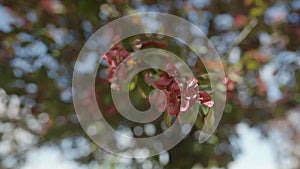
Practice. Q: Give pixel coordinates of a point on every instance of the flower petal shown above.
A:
(208, 104)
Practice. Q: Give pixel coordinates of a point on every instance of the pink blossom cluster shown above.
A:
(113, 58)
(180, 96)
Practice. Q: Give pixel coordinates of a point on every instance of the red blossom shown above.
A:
(190, 94)
(205, 99)
(111, 72)
(173, 103)
(52, 6)
(171, 69)
(180, 96)
(167, 83)
(240, 20)
(163, 82)
(148, 77)
(113, 58)
(159, 100)
(230, 85)
(116, 55)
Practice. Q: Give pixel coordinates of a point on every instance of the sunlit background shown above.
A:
(258, 41)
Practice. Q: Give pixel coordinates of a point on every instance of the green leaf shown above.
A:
(199, 121)
(205, 110)
(255, 12)
(260, 3)
(167, 119)
(204, 86)
(131, 86)
(204, 76)
(213, 139)
(252, 65)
